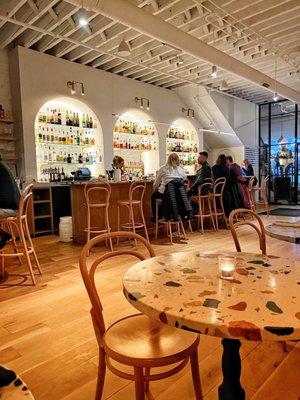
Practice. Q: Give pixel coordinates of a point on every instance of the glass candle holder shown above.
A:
(226, 267)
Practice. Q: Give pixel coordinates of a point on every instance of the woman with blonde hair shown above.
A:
(171, 171)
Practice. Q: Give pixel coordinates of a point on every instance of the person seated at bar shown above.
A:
(204, 172)
(168, 172)
(9, 198)
(238, 185)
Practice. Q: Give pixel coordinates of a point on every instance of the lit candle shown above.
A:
(226, 267)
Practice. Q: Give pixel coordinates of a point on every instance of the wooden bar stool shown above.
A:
(97, 197)
(136, 341)
(22, 244)
(135, 202)
(217, 198)
(205, 205)
(179, 227)
(262, 192)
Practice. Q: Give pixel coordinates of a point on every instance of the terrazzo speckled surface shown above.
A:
(183, 290)
(287, 233)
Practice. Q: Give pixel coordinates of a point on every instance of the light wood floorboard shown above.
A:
(46, 333)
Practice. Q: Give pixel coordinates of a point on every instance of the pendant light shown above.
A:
(123, 49)
(275, 96)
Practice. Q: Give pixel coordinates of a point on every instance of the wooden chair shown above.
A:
(217, 199)
(97, 197)
(234, 223)
(18, 228)
(205, 204)
(261, 192)
(135, 201)
(136, 341)
(168, 225)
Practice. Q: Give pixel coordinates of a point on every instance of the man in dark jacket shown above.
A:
(9, 198)
(204, 172)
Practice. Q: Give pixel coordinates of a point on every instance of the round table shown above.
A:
(284, 232)
(184, 290)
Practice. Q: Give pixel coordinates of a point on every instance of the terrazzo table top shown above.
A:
(289, 233)
(183, 290)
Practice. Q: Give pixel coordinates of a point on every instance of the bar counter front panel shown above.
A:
(119, 191)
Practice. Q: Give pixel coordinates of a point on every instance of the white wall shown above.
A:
(5, 92)
(237, 153)
(242, 115)
(37, 78)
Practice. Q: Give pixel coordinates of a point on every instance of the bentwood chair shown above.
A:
(136, 341)
(204, 200)
(97, 197)
(22, 244)
(217, 199)
(260, 192)
(234, 223)
(134, 202)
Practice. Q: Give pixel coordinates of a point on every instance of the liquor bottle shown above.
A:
(80, 159)
(59, 120)
(69, 159)
(67, 118)
(2, 112)
(83, 121)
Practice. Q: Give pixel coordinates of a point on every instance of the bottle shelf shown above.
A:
(7, 139)
(48, 124)
(68, 145)
(182, 152)
(6, 121)
(66, 163)
(181, 140)
(146, 135)
(138, 150)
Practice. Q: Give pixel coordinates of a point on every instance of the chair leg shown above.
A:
(211, 213)
(14, 243)
(201, 215)
(2, 265)
(156, 220)
(107, 226)
(144, 222)
(118, 223)
(190, 226)
(101, 375)
(183, 230)
(215, 211)
(147, 383)
(170, 231)
(139, 383)
(33, 249)
(26, 253)
(178, 229)
(196, 376)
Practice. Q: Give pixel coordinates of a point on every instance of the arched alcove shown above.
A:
(135, 139)
(68, 136)
(182, 138)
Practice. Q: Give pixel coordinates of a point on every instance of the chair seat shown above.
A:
(138, 337)
(126, 202)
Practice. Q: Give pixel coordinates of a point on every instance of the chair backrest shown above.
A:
(96, 193)
(88, 271)
(137, 191)
(265, 182)
(205, 188)
(260, 229)
(219, 185)
(251, 183)
(25, 198)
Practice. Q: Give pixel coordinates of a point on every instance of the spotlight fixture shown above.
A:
(144, 103)
(123, 49)
(275, 97)
(224, 85)
(72, 86)
(189, 112)
(83, 21)
(214, 72)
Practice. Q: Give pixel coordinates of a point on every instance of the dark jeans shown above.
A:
(154, 196)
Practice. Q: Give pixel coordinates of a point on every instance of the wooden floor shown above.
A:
(46, 333)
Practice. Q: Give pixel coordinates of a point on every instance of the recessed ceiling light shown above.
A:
(83, 21)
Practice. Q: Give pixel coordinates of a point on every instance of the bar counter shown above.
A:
(120, 191)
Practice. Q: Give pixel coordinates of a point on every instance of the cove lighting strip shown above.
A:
(215, 131)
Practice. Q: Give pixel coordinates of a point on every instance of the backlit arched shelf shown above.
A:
(68, 136)
(136, 140)
(182, 139)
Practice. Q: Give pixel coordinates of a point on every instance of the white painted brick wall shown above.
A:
(5, 92)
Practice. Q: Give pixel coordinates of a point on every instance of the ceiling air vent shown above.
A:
(266, 85)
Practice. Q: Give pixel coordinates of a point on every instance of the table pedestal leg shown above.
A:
(231, 388)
